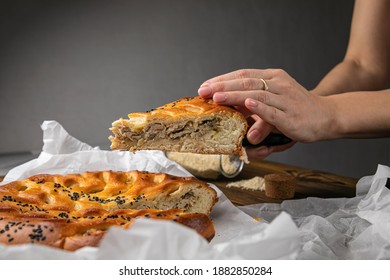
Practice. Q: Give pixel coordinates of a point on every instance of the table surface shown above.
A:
(310, 183)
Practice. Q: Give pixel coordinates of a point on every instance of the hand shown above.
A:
(285, 106)
(264, 151)
(258, 151)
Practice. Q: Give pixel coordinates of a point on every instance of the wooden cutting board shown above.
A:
(310, 183)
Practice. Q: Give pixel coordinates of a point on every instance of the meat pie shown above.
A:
(191, 124)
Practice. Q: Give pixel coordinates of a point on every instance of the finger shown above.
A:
(252, 118)
(244, 84)
(264, 151)
(237, 98)
(205, 92)
(258, 153)
(284, 85)
(244, 79)
(241, 74)
(270, 114)
(239, 85)
(243, 110)
(249, 116)
(258, 131)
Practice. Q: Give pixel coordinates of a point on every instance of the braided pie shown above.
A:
(191, 124)
(75, 210)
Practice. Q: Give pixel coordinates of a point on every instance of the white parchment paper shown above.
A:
(238, 235)
(341, 228)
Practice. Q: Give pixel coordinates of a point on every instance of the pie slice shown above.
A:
(191, 124)
(75, 210)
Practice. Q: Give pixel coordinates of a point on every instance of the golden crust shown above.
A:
(75, 210)
(174, 126)
(189, 106)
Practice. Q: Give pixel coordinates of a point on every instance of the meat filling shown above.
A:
(173, 131)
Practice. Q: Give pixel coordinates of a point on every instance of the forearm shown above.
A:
(366, 64)
(360, 114)
(349, 76)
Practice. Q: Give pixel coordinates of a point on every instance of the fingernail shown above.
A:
(251, 102)
(204, 91)
(254, 137)
(219, 97)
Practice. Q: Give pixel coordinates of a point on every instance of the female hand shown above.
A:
(255, 150)
(275, 101)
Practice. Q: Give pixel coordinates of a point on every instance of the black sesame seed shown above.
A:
(7, 198)
(63, 215)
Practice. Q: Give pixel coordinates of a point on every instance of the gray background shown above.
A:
(87, 63)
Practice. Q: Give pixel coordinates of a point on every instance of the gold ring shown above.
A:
(265, 86)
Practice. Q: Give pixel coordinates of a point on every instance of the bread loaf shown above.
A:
(192, 124)
(75, 210)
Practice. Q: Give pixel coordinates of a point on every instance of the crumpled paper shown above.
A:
(340, 228)
(238, 235)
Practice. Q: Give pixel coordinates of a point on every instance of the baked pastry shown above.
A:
(191, 124)
(75, 210)
(75, 232)
(280, 185)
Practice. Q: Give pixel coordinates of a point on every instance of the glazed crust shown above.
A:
(190, 124)
(75, 210)
(188, 107)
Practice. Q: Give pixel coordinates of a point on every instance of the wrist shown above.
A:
(337, 124)
(330, 127)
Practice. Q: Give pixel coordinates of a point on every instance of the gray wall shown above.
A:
(87, 63)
